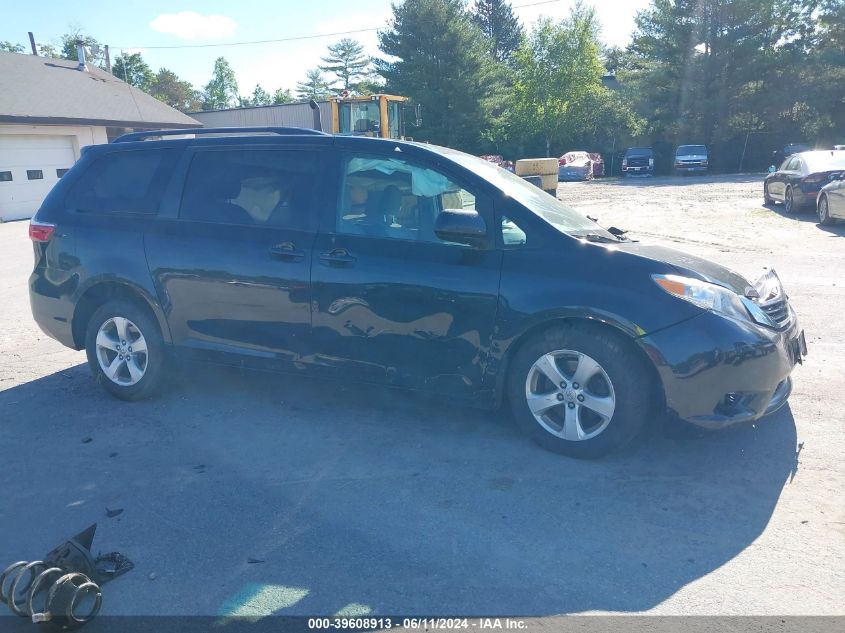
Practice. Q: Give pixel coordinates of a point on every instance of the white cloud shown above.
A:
(190, 25)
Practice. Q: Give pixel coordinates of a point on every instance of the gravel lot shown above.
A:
(359, 499)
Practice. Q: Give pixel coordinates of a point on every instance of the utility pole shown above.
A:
(32, 44)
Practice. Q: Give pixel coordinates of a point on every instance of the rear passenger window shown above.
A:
(124, 182)
(269, 187)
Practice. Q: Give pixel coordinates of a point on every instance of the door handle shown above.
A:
(339, 256)
(286, 251)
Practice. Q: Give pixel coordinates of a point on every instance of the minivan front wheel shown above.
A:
(125, 350)
(578, 391)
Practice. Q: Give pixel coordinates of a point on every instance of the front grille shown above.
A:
(778, 311)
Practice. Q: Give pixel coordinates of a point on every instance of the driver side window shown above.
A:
(396, 199)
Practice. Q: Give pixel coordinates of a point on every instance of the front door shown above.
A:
(231, 267)
(392, 302)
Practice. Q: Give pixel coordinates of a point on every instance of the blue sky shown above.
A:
(135, 25)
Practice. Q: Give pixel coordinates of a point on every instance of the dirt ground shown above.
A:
(364, 500)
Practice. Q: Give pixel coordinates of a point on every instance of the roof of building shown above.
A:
(43, 90)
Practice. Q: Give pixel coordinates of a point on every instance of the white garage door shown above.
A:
(29, 167)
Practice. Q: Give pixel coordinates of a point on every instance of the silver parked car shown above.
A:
(690, 159)
(830, 204)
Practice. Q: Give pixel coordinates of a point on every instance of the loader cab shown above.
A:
(377, 116)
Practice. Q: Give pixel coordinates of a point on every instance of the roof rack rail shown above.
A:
(282, 131)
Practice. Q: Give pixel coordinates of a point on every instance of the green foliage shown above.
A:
(500, 25)
(167, 87)
(314, 87)
(723, 71)
(47, 50)
(222, 91)
(282, 96)
(347, 62)
(133, 70)
(260, 97)
(95, 53)
(557, 93)
(9, 47)
(441, 60)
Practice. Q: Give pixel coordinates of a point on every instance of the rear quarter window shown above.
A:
(131, 181)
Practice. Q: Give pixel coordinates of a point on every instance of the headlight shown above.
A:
(713, 297)
(769, 287)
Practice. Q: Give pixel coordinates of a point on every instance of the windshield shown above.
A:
(564, 218)
(691, 150)
(639, 151)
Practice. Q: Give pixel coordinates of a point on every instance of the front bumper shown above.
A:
(717, 372)
(691, 168)
(644, 169)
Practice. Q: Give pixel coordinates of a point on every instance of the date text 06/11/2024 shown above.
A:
(384, 623)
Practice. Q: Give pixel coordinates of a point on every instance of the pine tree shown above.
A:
(442, 62)
(497, 21)
(314, 87)
(347, 62)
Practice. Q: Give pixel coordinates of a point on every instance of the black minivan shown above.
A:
(399, 263)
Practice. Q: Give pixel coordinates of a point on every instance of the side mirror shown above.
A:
(461, 226)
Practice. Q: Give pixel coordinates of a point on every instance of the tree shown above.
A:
(168, 88)
(441, 60)
(48, 50)
(259, 97)
(282, 96)
(9, 47)
(222, 91)
(347, 62)
(500, 25)
(133, 70)
(314, 87)
(95, 54)
(715, 71)
(557, 81)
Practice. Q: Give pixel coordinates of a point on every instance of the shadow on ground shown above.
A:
(807, 215)
(356, 498)
(676, 181)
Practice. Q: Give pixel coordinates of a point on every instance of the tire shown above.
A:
(621, 376)
(823, 211)
(789, 205)
(110, 333)
(767, 199)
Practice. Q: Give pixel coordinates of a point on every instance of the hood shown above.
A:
(688, 265)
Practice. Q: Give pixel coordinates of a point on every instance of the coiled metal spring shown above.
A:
(65, 592)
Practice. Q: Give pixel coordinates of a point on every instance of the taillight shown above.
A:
(814, 178)
(41, 231)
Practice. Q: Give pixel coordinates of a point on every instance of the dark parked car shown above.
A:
(798, 180)
(638, 161)
(691, 159)
(830, 205)
(399, 263)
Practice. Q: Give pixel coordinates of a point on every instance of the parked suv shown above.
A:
(690, 159)
(398, 263)
(638, 161)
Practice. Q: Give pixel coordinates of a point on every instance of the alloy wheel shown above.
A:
(788, 202)
(570, 395)
(122, 351)
(824, 212)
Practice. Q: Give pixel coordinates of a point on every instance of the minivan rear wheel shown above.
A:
(125, 349)
(579, 391)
